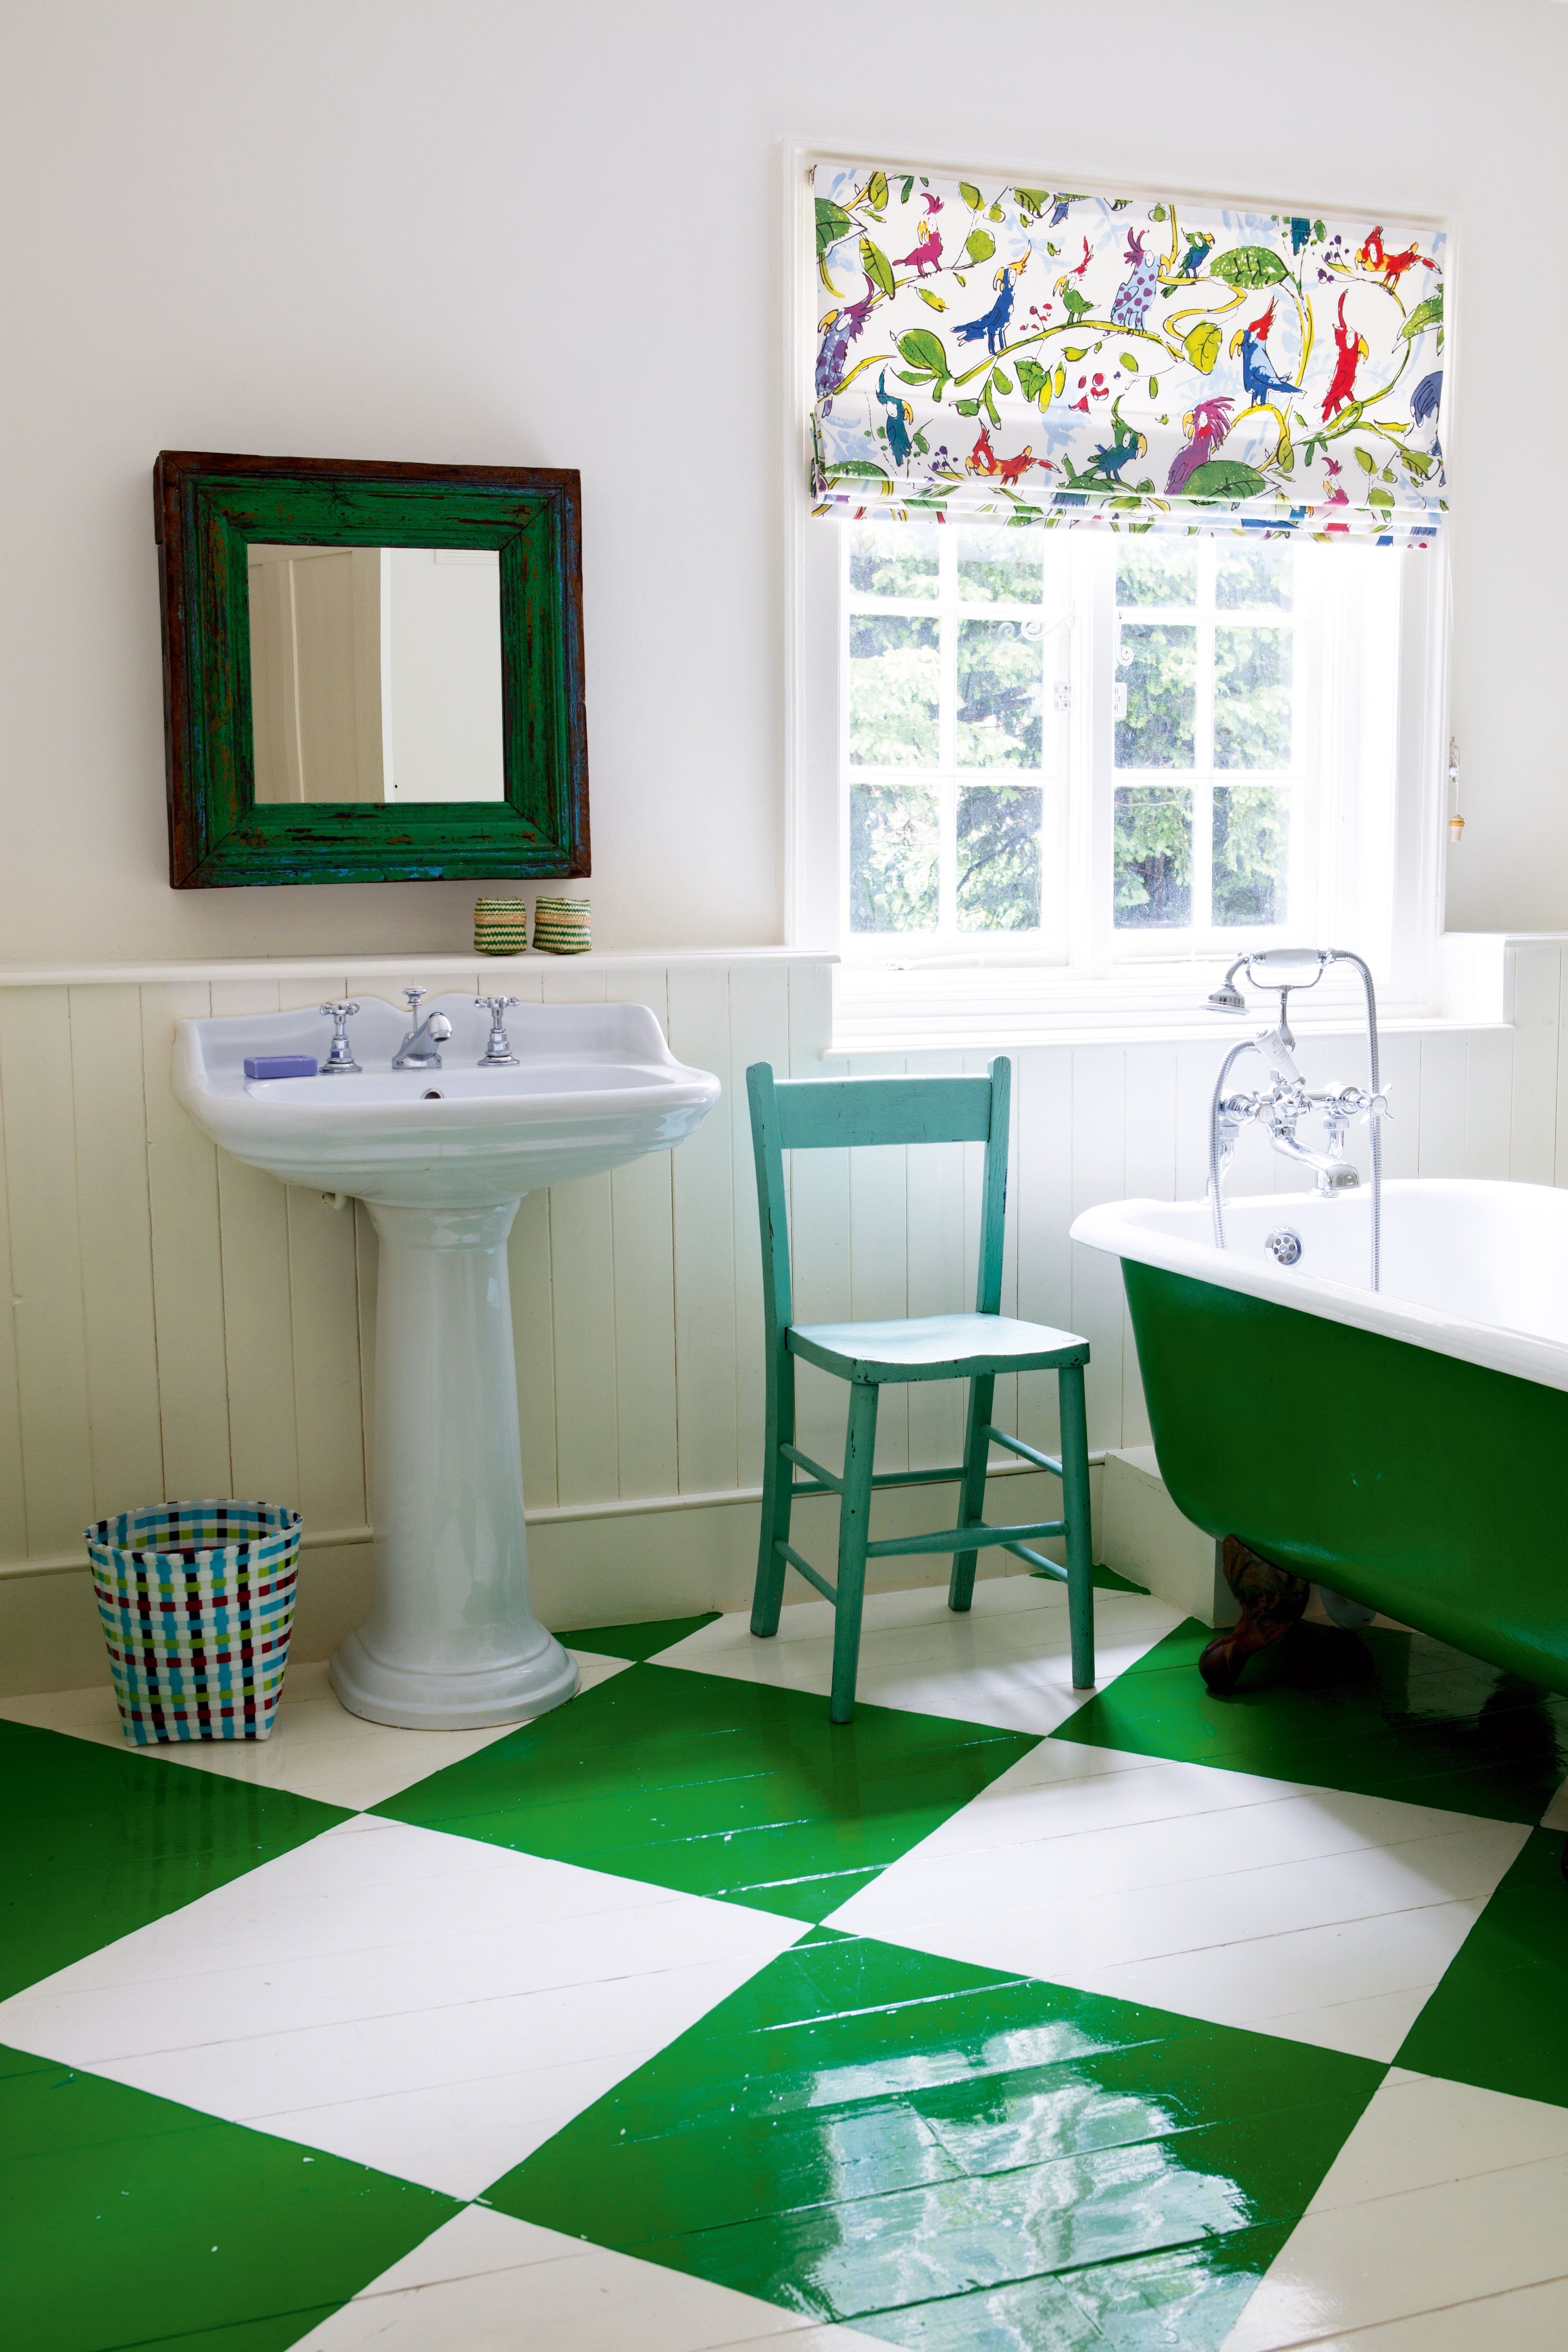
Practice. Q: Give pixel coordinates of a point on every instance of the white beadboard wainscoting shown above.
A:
(180, 1324)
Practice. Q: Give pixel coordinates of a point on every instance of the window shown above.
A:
(957, 737)
(1104, 754)
(1210, 783)
(955, 719)
(1049, 766)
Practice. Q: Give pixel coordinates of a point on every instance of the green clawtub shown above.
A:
(1412, 1480)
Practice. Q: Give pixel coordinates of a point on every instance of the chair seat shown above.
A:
(935, 1348)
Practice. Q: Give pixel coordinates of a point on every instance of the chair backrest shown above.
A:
(829, 1114)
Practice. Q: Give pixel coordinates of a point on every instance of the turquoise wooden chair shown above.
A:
(815, 1114)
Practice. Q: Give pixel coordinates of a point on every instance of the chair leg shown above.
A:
(1075, 1510)
(854, 1533)
(778, 1483)
(972, 1496)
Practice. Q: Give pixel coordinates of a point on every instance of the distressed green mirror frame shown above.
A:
(208, 507)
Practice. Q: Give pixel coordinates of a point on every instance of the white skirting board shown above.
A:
(587, 1569)
(1144, 1537)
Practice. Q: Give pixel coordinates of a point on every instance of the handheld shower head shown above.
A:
(1228, 997)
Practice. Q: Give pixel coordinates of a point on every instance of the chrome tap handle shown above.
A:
(340, 1061)
(498, 1053)
(414, 995)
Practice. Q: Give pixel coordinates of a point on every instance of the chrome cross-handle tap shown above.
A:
(340, 1061)
(417, 1051)
(498, 1054)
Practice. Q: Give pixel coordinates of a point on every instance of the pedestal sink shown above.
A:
(442, 1158)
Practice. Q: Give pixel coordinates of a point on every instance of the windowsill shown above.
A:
(958, 1008)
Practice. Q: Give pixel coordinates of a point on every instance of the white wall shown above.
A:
(506, 230)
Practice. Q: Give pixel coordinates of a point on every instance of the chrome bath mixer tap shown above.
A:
(1287, 1099)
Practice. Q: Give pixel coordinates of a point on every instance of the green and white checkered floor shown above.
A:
(997, 2022)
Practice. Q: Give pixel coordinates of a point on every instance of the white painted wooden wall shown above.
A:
(180, 1324)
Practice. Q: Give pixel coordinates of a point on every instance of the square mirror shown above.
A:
(371, 673)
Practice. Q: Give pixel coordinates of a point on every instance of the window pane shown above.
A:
(1153, 858)
(1252, 697)
(1254, 575)
(999, 857)
(1159, 670)
(1001, 693)
(893, 875)
(894, 559)
(1001, 566)
(1157, 571)
(1251, 854)
(894, 684)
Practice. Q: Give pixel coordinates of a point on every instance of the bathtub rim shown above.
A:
(1117, 1228)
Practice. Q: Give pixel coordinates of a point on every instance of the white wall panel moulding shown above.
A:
(394, 969)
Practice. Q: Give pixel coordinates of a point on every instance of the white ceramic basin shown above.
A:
(597, 1086)
(442, 1158)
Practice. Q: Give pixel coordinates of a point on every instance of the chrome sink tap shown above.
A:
(340, 1061)
(498, 1054)
(1288, 1099)
(418, 1049)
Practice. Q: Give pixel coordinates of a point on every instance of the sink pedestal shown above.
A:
(451, 1642)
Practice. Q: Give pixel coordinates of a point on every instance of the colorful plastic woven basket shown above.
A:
(561, 926)
(197, 1604)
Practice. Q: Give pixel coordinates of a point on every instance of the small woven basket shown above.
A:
(561, 926)
(197, 1605)
(500, 926)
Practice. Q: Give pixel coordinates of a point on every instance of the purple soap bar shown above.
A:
(280, 1065)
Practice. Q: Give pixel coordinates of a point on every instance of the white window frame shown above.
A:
(1377, 855)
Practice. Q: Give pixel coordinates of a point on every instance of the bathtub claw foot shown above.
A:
(1271, 1601)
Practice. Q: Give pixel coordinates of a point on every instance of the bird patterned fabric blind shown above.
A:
(1007, 354)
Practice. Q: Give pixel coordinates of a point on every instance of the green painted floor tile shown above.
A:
(1184, 2302)
(95, 1842)
(638, 1641)
(269, 2335)
(716, 1787)
(1499, 2017)
(1383, 1714)
(938, 2154)
(131, 2220)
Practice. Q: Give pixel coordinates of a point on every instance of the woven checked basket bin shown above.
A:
(561, 926)
(197, 1604)
(500, 926)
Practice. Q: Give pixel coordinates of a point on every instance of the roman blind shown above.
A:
(994, 352)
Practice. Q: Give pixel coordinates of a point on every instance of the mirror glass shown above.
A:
(375, 673)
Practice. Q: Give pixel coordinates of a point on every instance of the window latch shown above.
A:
(1061, 697)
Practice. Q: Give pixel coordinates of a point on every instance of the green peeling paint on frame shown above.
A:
(207, 509)
(1411, 1480)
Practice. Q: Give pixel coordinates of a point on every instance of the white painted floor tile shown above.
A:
(1555, 1817)
(1419, 2132)
(1007, 1662)
(1530, 2319)
(1246, 1901)
(1443, 2194)
(425, 2003)
(486, 2283)
(317, 1748)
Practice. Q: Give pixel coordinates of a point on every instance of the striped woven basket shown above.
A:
(500, 926)
(197, 1605)
(561, 926)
